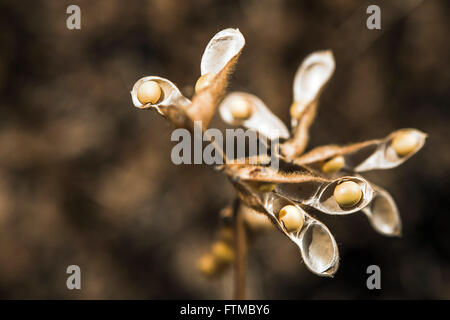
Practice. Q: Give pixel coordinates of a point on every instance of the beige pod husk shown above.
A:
(247, 110)
(324, 200)
(383, 214)
(394, 150)
(224, 46)
(310, 79)
(170, 95)
(317, 245)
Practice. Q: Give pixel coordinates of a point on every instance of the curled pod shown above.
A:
(170, 103)
(247, 110)
(383, 214)
(310, 79)
(170, 95)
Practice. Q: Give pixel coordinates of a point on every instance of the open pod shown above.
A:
(221, 49)
(247, 110)
(170, 95)
(383, 214)
(370, 155)
(310, 79)
(171, 104)
(300, 184)
(218, 60)
(387, 155)
(320, 194)
(317, 245)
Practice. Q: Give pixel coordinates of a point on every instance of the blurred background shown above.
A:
(86, 178)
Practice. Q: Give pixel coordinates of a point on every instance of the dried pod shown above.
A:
(316, 243)
(170, 104)
(310, 79)
(257, 116)
(383, 213)
(260, 174)
(170, 95)
(319, 249)
(222, 48)
(321, 195)
(374, 154)
(220, 56)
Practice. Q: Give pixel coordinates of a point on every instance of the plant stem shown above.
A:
(241, 256)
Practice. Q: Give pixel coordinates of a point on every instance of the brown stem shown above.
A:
(297, 144)
(240, 267)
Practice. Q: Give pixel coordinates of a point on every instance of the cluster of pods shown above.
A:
(326, 179)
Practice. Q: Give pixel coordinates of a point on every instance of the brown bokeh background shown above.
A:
(86, 178)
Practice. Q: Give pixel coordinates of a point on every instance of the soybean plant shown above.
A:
(325, 179)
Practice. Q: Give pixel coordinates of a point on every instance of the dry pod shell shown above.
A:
(170, 95)
(385, 153)
(391, 151)
(170, 104)
(222, 48)
(320, 194)
(310, 79)
(316, 243)
(217, 63)
(256, 175)
(252, 113)
(383, 213)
